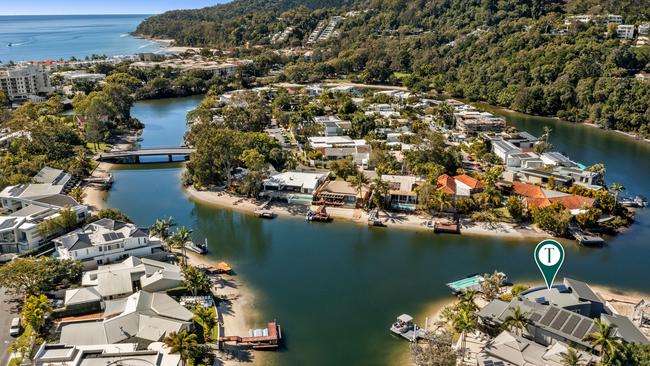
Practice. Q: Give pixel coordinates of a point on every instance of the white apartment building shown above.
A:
(107, 241)
(625, 31)
(23, 81)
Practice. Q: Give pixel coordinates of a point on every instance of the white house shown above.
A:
(50, 354)
(625, 31)
(106, 241)
(127, 277)
(295, 187)
(341, 147)
(28, 205)
(144, 317)
(332, 125)
(504, 150)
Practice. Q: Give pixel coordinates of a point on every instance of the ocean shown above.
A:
(54, 37)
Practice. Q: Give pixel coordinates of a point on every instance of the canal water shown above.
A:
(335, 288)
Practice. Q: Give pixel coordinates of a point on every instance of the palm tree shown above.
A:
(464, 322)
(571, 358)
(517, 321)
(380, 189)
(466, 301)
(181, 237)
(161, 228)
(441, 201)
(359, 181)
(78, 194)
(490, 197)
(616, 188)
(605, 340)
(182, 343)
(207, 318)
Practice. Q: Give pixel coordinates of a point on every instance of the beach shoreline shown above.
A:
(95, 195)
(223, 199)
(237, 311)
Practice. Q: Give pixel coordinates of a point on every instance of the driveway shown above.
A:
(8, 311)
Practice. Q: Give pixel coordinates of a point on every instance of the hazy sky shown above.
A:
(34, 7)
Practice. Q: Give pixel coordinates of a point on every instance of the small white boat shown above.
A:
(199, 249)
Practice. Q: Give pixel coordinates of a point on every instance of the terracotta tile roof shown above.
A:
(527, 190)
(469, 181)
(574, 202)
(446, 184)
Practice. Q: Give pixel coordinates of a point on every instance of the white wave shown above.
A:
(124, 35)
(144, 45)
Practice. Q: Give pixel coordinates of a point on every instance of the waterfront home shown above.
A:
(644, 28)
(642, 76)
(473, 123)
(565, 313)
(142, 318)
(402, 195)
(106, 241)
(293, 186)
(342, 147)
(19, 230)
(537, 197)
(459, 185)
(48, 181)
(332, 125)
(504, 150)
(514, 350)
(341, 194)
(50, 354)
(131, 275)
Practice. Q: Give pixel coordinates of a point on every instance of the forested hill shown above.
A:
(514, 53)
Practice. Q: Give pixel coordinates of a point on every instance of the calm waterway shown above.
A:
(54, 37)
(336, 288)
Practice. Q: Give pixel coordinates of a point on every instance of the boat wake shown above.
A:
(124, 35)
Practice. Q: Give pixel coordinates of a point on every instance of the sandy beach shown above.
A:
(415, 221)
(95, 193)
(238, 312)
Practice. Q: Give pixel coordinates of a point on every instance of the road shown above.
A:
(8, 311)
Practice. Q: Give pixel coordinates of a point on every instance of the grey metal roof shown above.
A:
(626, 329)
(109, 224)
(582, 290)
(76, 241)
(49, 175)
(60, 200)
(8, 223)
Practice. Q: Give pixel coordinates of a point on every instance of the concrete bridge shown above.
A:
(133, 156)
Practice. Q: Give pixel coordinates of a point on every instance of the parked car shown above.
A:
(15, 327)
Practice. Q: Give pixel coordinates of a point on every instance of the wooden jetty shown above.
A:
(446, 227)
(265, 214)
(586, 238)
(265, 338)
(320, 215)
(220, 268)
(406, 328)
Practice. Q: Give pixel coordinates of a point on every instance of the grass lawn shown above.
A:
(101, 147)
(214, 332)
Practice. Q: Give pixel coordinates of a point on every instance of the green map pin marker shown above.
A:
(549, 256)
